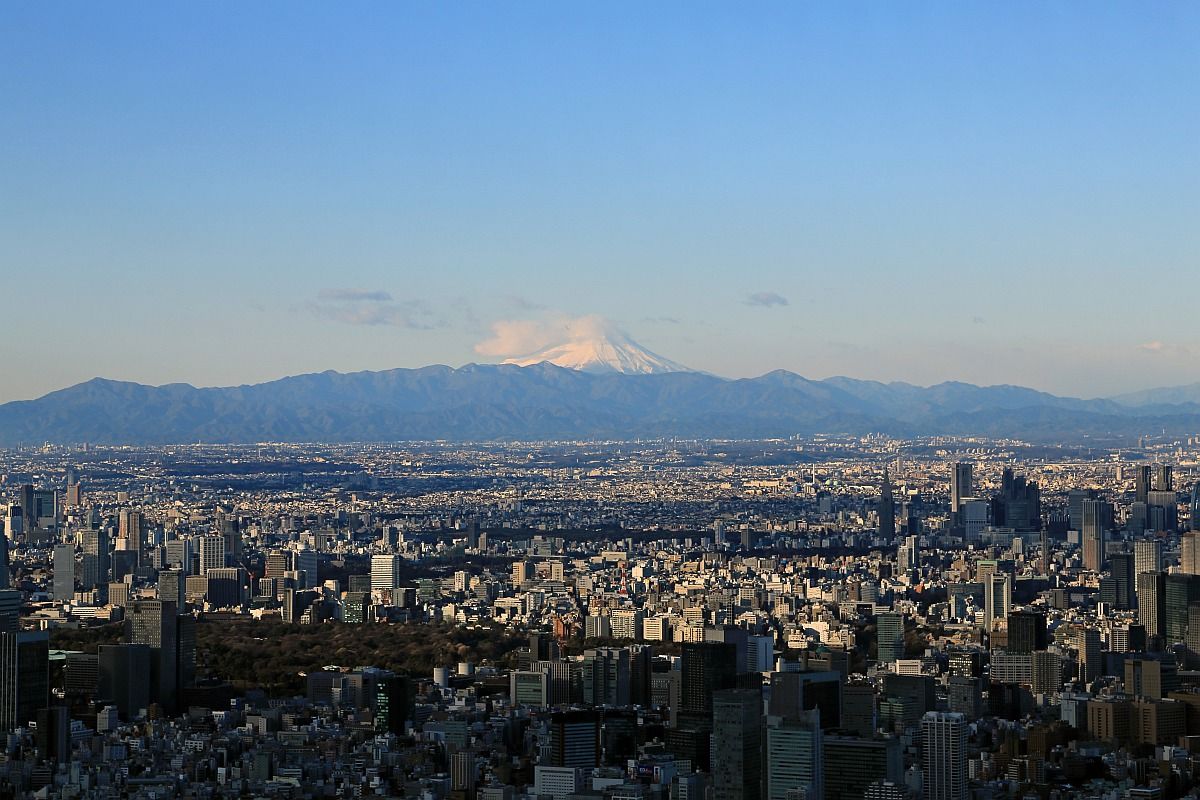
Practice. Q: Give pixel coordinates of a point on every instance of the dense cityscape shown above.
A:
(820, 619)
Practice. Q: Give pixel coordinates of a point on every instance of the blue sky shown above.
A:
(221, 193)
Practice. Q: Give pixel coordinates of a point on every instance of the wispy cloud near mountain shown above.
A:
(371, 307)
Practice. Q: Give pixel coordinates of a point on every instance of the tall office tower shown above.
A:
(278, 564)
(5, 560)
(626, 623)
(1189, 553)
(1162, 509)
(889, 631)
(95, 558)
(1142, 480)
(606, 676)
(1097, 522)
(1026, 632)
(130, 526)
(227, 586)
(1044, 551)
(1162, 478)
(575, 739)
(74, 497)
(886, 509)
(122, 677)
(795, 693)
(154, 624)
(185, 648)
(228, 529)
(10, 610)
(39, 508)
(1120, 566)
(1152, 601)
(64, 571)
(737, 744)
(962, 484)
(385, 572)
(1191, 651)
(179, 554)
(852, 764)
(24, 677)
(212, 553)
(307, 563)
(1147, 556)
(795, 757)
(1181, 591)
(1075, 499)
(997, 598)
(944, 756)
(1087, 645)
(395, 702)
(1194, 507)
(172, 587)
(858, 709)
(705, 667)
(1019, 504)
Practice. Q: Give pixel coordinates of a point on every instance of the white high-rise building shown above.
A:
(626, 623)
(212, 553)
(944, 756)
(1147, 556)
(385, 572)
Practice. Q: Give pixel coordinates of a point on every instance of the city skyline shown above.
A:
(907, 194)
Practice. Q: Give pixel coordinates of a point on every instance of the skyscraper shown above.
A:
(1026, 632)
(1097, 522)
(154, 624)
(1189, 553)
(944, 756)
(24, 677)
(737, 744)
(122, 681)
(889, 628)
(212, 553)
(64, 571)
(705, 667)
(575, 739)
(95, 558)
(794, 757)
(130, 528)
(886, 509)
(385, 572)
(962, 484)
(1142, 479)
(1152, 599)
(1121, 568)
(997, 598)
(1147, 556)
(1181, 591)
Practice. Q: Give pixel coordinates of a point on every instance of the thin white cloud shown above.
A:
(522, 337)
(371, 307)
(766, 300)
(355, 295)
(1152, 347)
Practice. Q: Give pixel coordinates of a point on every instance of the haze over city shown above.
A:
(994, 193)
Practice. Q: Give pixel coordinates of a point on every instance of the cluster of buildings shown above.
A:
(861, 618)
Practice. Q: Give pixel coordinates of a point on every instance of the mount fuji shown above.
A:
(601, 351)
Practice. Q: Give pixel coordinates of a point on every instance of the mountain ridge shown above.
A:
(544, 401)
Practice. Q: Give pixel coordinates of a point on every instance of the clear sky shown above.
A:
(220, 193)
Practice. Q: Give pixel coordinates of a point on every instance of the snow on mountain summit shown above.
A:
(601, 350)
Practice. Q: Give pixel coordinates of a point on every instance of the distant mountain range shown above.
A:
(545, 401)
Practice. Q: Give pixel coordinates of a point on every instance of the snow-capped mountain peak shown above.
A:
(601, 350)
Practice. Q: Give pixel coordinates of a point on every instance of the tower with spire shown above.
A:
(886, 510)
